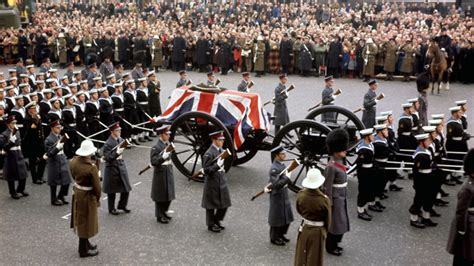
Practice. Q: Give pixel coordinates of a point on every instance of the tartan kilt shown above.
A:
(274, 61)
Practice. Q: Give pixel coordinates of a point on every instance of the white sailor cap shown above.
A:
(97, 78)
(23, 75)
(12, 78)
(422, 136)
(83, 82)
(64, 77)
(2, 81)
(52, 70)
(406, 105)
(50, 80)
(52, 100)
(118, 84)
(380, 127)
(93, 91)
(56, 88)
(455, 109)
(437, 116)
(72, 85)
(21, 85)
(30, 66)
(434, 122)
(41, 74)
(100, 90)
(381, 118)
(35, 93)
(150, 73)
(129, 81)
(110, 76)
(7, 88)
(12, 70)
(79, 93)
(18, 97)
(30, 104)
(429, 129)
(366, 132)
(462, 102)
(413, 100)
(125, 75)
(141, 79)
(47, 91)
(386, 113)
(39, 82)
(76, 72)
(67, 96)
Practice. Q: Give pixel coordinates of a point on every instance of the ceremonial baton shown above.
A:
(295, 163)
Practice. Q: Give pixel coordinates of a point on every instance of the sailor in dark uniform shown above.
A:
(131, 109)
(392, 175)
(19, 112)
(456, 138)
(183, 79)
(415, 105)
(328, 98)
(55, 113)
(381, 154)
(423, 184)
(280, 214)
(281, 110)
(463, 105)
(244, 84)
(110, 83)
(370, 101)
(143, 107)
(406, 139)
(119, 111)
(92, 113)
(33, 143)
(80, 106)
(106, 109)
(366, 173)
(216, 196)
(154, 88)
(70, 126)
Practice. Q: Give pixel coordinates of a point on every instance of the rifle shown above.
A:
(292, 87)
(61, 140)
(168, 148)
(217, 82)
(295, 163)
(378, 98)
(336, 93)
(122, 144)
(224, 155)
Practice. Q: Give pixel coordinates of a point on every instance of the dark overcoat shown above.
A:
(115, 172)
(162, 186)
(216, 192)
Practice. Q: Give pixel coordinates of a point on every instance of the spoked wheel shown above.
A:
(254, 141)
(304, 140)
(190, 134)
(337, 117)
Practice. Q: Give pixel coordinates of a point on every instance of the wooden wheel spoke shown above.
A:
(188, 127)
(291, 141)
(298, 176)
(298, 135)
(185, 161)
(195, 163)
(183, 151)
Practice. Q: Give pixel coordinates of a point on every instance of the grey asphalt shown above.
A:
(34, 232)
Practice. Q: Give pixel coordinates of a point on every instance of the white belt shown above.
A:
(367, 165)
(119, 110)
(424, 171)
(406, 133)
(72, 125)
(471, 209)
(82, 188)
(142, 103)
(167, 162)
(436, 154)
(313, 223)
(382, 160)
(60, 152)
(340, 185)
(19, 125)
(15, 148)
(457, 138)
(414, 128)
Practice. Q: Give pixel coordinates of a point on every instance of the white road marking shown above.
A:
(66, 217)
(136, 184)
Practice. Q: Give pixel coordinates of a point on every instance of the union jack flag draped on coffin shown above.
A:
(241, 110)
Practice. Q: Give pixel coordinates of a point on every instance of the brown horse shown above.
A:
(438, 65)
